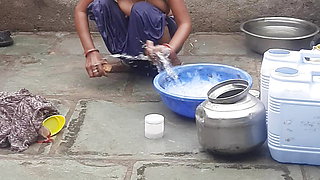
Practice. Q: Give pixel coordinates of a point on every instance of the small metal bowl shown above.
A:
(279, 32)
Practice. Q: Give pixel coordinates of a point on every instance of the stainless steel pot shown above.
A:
(279, 32)
(233, 128)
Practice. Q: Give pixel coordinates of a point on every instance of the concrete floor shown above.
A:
(104, 135)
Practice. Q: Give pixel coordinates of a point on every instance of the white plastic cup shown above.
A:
(153, 126)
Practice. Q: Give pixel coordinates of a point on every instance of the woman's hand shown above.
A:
(152, 51)
(94, 65)
(93, 59)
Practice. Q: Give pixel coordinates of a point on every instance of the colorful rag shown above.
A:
(21, 115)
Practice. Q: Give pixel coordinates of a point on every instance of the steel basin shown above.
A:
(279, 32)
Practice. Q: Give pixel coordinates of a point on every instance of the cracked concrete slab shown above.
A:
(26, 44)
(101, 127)
(70, 45)
(60, 169)
(61, 75)
(204, 44)
(143, 89)
(311, 172)
(190, 171)
(117, 129)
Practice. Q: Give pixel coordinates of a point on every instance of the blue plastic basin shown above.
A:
(186, 104)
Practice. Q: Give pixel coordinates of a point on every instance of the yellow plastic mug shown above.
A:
(54, 123)
(317, 47)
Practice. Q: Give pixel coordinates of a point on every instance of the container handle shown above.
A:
(315, 76)
(310, 56)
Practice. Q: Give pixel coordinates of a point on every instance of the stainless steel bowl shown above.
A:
(279, 32)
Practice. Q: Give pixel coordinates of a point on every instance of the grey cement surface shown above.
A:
(121, 131)
(104, 134)
(206, 15)
(61, 169)
(189, 171)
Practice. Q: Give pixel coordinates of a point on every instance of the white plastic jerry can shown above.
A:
(272, 59)
(294, 114)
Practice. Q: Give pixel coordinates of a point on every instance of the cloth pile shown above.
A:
(21, 115)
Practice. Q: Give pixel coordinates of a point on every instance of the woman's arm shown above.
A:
(82, 25)
(93, 58)
(182, 18)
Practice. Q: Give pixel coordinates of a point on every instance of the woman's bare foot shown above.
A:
(115, 66)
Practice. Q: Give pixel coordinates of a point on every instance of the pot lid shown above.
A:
(229, 91)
